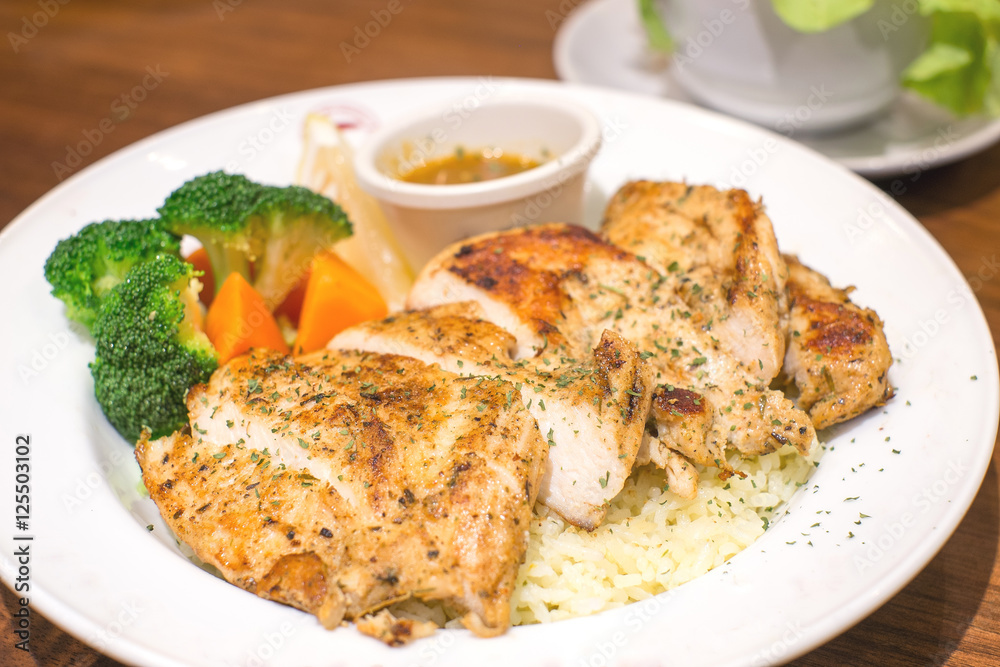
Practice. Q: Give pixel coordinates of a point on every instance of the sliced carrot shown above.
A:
(239, 320)
(336, 297)
(291, 307)
(199, 260)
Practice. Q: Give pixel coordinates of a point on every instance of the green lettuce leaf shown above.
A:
(958, 69)
(986, 10)
(939, 59)
(657, 36)
(819, 15)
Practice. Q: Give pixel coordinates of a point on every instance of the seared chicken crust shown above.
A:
(560, 286)
(340, 482)
(838, 356)
(718, 250)
(591, 410)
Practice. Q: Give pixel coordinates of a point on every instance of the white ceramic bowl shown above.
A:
(740, 57)
(561, 135)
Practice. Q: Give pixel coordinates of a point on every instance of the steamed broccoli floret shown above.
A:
(150, 348)
(83, 268)
(215, 208)
(267, 234)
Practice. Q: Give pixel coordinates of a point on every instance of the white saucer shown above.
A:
(602, 43)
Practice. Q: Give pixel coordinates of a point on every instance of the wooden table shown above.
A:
(64, 63)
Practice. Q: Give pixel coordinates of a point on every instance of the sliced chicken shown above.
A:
(454, 336)
(591, 409)
(682, 476)
(745, 413)
(718, 250)
(563, 286)
(534, 282)
(838, 356)
(340, 482)
(683, 419)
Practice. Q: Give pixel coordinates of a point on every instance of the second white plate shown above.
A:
(602, 43)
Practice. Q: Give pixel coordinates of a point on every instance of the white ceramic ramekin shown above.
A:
(562, 135)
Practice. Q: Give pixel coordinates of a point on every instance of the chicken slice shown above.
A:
(340, 482)
(719, 251)
(565, 286)
(455, 336)
(591, 410)
(533, 282)
(682, 476)
(838, 356)
(685, 424)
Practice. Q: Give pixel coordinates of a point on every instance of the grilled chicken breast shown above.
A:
(342, 481)
(538, 363)
(560, 286)
(838, 356)
(718, 251)
(591, 410)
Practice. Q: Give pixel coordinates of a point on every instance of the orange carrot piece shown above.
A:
(291, 307)
(199, 260)
(336, 297)
(239, 320)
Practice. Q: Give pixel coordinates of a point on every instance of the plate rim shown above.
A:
(77, 623)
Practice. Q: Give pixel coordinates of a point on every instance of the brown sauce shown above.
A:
(469, 167)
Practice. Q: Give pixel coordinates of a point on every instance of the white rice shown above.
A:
(650, 541)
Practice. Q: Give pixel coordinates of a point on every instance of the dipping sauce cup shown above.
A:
(562, 137)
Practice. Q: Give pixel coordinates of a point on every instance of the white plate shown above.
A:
(601, 43)
(96, 571)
